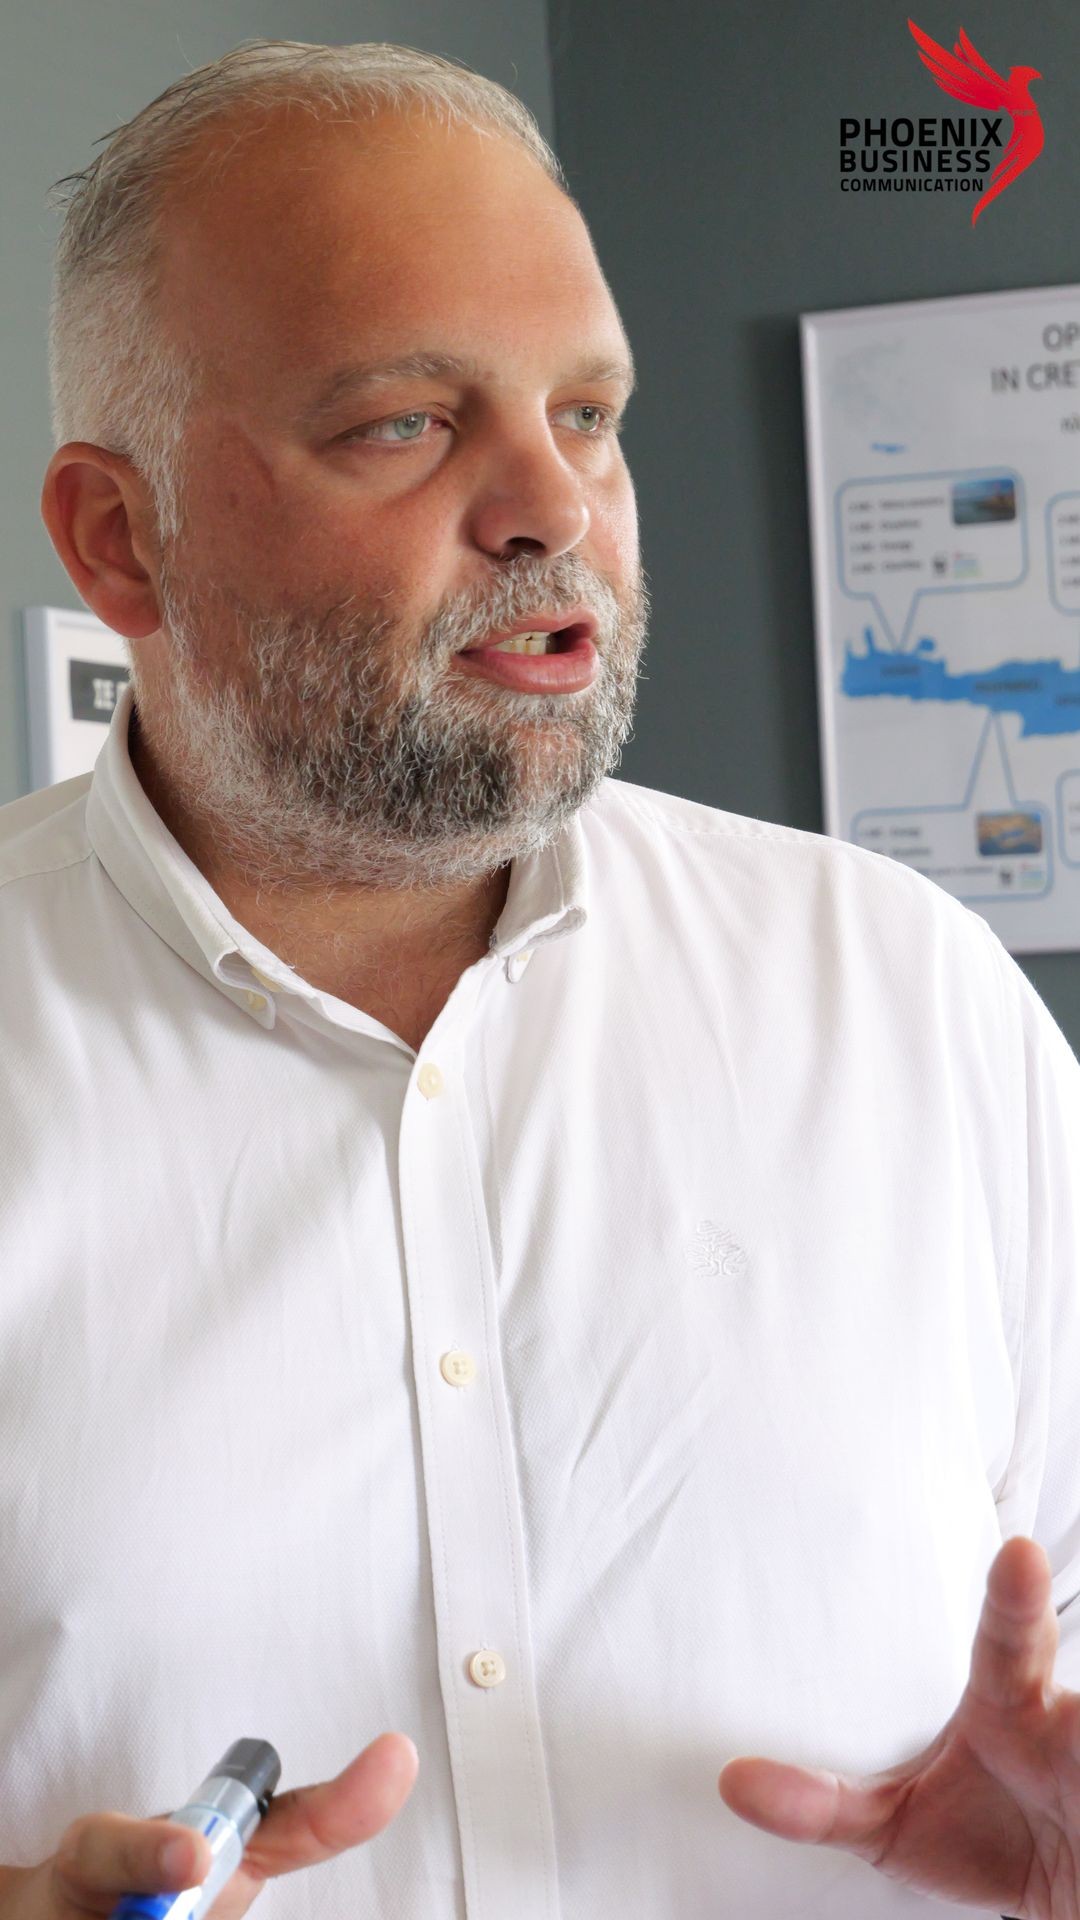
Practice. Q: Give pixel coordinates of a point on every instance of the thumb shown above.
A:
(799, 1803)
(307, 1825)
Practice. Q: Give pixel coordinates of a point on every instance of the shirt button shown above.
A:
(517, 965)
(487, 1668)
(458, 1368)
(256, 1001)
(270, 985)
(430, 1080)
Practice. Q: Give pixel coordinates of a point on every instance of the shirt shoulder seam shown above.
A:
(59, 866)
(740, 827)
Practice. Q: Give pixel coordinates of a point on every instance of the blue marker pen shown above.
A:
(226, 1808)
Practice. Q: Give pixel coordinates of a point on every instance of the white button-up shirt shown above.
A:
(643, 1373)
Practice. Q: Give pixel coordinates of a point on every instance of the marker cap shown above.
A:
(255, 1764)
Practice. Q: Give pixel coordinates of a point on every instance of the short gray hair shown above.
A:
(116, 378)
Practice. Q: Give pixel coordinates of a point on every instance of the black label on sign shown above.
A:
(95, 689)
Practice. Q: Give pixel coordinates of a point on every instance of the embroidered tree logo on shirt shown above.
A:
(717, 1251)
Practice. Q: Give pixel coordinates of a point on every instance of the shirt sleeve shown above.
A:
(1039, 1494)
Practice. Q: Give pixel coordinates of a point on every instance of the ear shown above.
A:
(98, 514)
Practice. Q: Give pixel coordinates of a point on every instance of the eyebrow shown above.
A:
(432, 364)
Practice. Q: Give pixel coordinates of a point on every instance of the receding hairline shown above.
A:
(202, 164)
(204, 159)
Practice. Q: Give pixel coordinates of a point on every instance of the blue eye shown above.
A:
(608, 422)
(407, 416)
(368, 433)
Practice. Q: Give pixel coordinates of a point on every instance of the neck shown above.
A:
(384, 948)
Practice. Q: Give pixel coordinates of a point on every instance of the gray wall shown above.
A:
(701, 141)
(71, 71)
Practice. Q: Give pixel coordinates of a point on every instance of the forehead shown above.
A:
(302, 245)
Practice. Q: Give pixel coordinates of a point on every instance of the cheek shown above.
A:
(240, 534)
(270, 541)
(615, 528)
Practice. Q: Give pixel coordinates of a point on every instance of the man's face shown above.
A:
(335, 560)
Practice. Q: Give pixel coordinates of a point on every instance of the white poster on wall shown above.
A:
(943, 447)
(75, 669)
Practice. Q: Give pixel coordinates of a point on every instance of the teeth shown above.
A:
(526, 643)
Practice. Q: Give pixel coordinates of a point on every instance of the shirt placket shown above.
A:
(472, 1495)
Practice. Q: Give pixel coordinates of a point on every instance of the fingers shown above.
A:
(309, 1824)
(1012, 1660)
(110, 1854)
(790, 1801)
(798, 1803)
(104, 1855)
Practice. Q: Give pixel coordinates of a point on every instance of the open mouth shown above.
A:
(564, 640)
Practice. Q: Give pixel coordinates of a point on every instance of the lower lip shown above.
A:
(567, 672)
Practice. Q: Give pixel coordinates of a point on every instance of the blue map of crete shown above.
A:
(1045, 694)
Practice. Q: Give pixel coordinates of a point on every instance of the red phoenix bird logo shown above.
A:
(967, 76)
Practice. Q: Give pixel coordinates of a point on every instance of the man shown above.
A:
(494, 1250)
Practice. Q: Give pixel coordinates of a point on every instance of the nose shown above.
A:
(528, 498)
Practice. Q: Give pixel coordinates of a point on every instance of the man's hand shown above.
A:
(989, 1814)
(104, 1855)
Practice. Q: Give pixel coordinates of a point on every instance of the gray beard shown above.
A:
(345, 758)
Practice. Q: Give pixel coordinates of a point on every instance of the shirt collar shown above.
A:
(546, 897)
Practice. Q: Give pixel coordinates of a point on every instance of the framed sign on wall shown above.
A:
(943, 443)
(75, 669)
